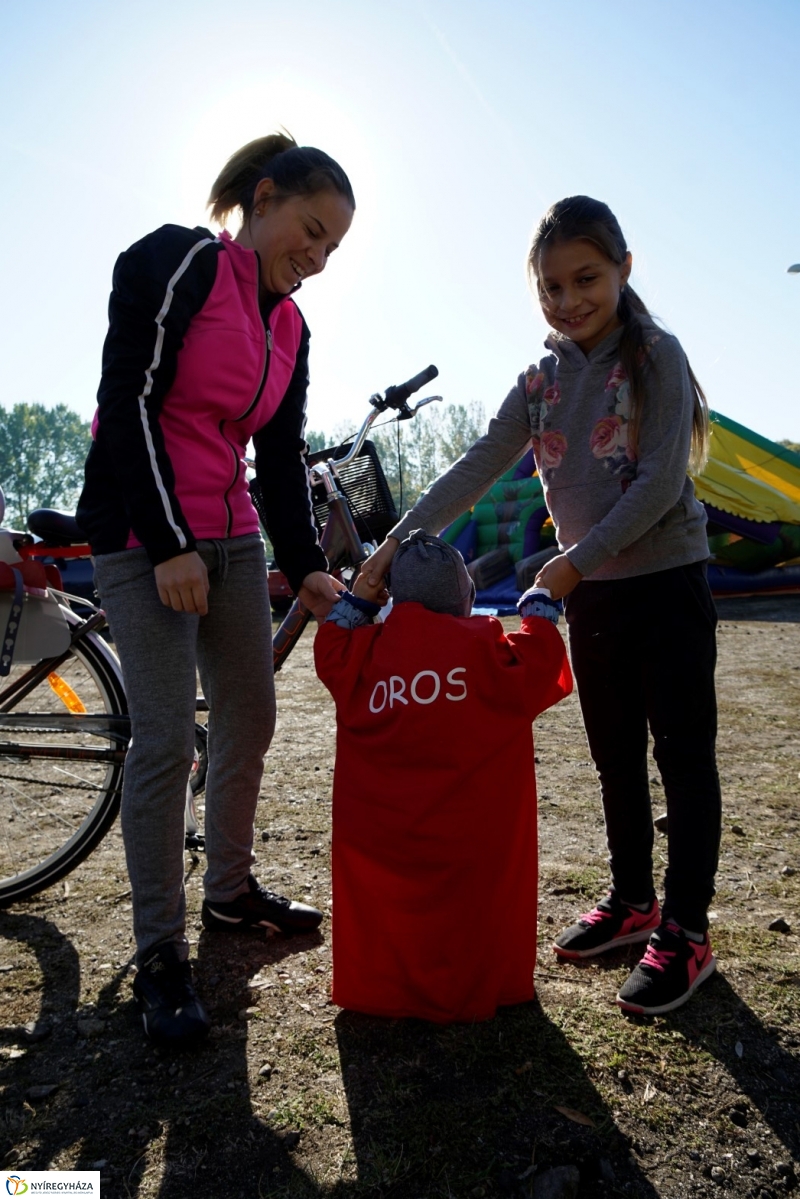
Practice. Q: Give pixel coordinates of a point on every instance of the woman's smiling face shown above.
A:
(579, 290)
(294, 235)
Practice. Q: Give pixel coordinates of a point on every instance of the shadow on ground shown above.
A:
(774, 609)
(760, 1082)
(83, 1081)
(762, 1070)
(411, 1085)
(464, 1110)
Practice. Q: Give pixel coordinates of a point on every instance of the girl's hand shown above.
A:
(182, 583)
(378, 565)
(375, 593)
(559, 576)
(319, 593)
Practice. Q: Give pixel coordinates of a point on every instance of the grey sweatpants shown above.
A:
(160, 651)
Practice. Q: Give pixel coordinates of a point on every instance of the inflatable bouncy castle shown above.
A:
(751, 491)
(750, 488)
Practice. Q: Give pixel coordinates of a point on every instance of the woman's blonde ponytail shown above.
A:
(243, 170)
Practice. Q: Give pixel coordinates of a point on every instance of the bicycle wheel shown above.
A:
(60, 783)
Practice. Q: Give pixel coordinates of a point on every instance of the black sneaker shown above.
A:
(260, 908)
(608, 925)
(670, 971)
(171, 1011)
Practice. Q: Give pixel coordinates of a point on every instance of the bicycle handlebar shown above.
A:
(395, 397)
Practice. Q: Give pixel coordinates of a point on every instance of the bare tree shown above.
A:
(414, 453)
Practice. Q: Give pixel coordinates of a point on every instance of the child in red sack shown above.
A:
(434, 792)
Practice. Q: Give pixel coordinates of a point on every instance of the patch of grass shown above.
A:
(583, 880)
(307, 1109)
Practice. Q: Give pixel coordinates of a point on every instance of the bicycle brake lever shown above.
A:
(422, 403)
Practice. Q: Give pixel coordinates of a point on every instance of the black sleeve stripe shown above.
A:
(148, 386)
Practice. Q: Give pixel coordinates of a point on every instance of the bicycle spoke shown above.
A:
(71, 774)
(30, 817)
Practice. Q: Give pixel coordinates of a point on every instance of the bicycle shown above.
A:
(59, 798)
(352, 502)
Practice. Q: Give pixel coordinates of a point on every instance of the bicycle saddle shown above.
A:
(56, 528)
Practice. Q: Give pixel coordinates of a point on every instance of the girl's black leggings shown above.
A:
(643, 653)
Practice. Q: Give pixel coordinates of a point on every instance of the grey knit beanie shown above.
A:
(426, 570)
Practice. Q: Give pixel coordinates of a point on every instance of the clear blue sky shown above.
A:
(459, 122)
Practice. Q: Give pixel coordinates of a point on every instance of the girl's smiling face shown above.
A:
(579, 290)
(294, 235)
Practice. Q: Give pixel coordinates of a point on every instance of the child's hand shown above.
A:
(376, 592)
(537, 601)
(559, 576)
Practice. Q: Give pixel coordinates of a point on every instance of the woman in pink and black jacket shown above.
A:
(205, 351)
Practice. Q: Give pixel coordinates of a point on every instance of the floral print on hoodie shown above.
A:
(608, 440)
(549, 445)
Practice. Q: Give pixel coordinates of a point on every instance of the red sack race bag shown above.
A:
(434, 847)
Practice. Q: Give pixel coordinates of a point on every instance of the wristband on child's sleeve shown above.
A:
(537, 601)
(350, 611)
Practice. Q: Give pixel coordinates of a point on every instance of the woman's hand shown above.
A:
(182, 583)
(378, 565)
(559, 576)
(319, 593)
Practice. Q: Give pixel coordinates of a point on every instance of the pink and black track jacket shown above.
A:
(194, 366)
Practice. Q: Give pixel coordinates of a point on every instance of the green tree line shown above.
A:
(42, 452)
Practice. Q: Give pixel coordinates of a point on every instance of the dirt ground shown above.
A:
(292, 1097)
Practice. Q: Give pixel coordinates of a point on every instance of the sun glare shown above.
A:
(252, 109)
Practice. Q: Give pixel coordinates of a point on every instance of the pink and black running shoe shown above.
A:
(670, 971)
(610, 924)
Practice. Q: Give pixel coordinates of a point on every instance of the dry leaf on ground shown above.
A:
(576, 1117)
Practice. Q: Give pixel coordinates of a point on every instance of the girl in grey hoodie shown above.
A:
(616, 419)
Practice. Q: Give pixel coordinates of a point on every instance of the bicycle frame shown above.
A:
(340, 543)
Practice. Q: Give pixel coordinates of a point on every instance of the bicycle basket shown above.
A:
(365, 488)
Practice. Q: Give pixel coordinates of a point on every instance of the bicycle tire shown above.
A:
(60, 821)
